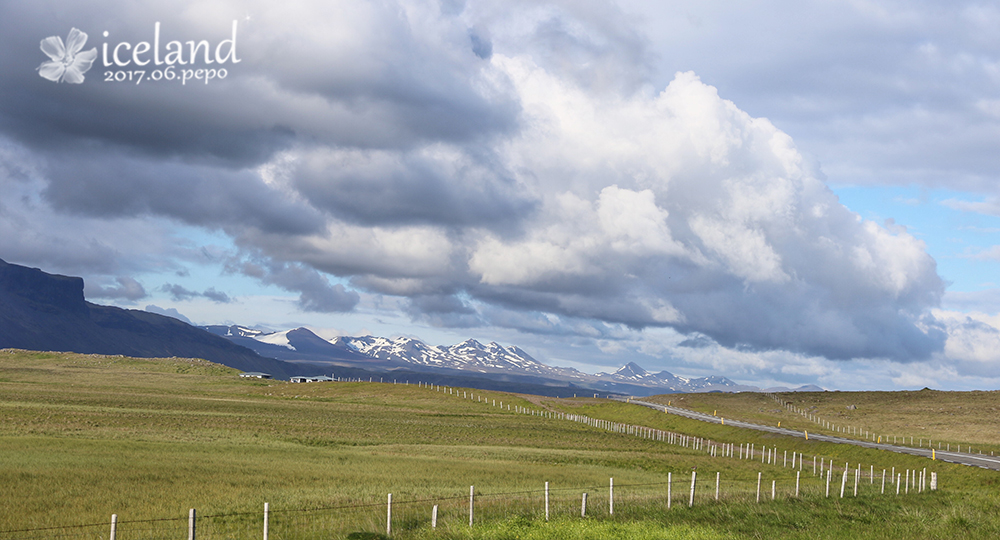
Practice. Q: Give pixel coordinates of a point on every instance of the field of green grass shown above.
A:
(940, 418)
(83, 437)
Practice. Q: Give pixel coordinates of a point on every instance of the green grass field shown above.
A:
(939, 418)
(84, 437)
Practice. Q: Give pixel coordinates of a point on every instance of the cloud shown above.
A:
(179, 294)
(169, 312)
(127, 289)
(990, 206)
(488, 166)
(315, 291)
(443, 310)
(973, 345)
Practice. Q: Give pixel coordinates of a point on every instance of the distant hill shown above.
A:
(47, 312)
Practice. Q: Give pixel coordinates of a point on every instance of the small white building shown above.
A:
(318, 378)
(255, 375)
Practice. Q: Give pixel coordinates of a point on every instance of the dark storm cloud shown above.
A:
(444, 186)
(117, 185)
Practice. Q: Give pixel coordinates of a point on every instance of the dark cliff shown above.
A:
(46, 312)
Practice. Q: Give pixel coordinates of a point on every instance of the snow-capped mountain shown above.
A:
(469, 358)
(632, 373)
(469, 355)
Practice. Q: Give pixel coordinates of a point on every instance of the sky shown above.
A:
(783, 193)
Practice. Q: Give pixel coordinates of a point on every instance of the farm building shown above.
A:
(319, 378)
(255, 375)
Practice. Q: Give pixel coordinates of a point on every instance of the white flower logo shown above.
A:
(68, 63)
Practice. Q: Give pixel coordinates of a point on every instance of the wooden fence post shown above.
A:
(694, 474)
(717, 485)
(933, 481)
(388, 517)
(114, 527)
(583, 505)
(758, 487)
(191, 520)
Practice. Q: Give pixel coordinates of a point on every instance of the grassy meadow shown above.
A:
(83, 437)
(943, 418)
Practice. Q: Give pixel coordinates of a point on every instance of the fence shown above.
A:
(867, 435)
(784, 479)
(475, 507)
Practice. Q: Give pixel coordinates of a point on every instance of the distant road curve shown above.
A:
(985, 462)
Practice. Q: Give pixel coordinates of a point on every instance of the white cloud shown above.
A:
(542, 169)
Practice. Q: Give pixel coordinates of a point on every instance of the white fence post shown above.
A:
(434, 517)
(717, 485)
(611, 497)
(266, 508)
(933, 481)
(797, 474)
(191, 519)
(546, 501)
(472, 492)
(758, 487)
(388, 517)
(583, 505)
(694, 474)
(114, 526)
(669, 483)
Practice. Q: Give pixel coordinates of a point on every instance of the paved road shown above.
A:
(976, 460)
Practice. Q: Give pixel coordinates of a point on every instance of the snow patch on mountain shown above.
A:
(277, 338)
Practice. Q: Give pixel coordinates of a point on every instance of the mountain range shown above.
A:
(47, 312)
(469, 358)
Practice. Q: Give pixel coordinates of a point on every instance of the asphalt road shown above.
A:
(975, 460)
